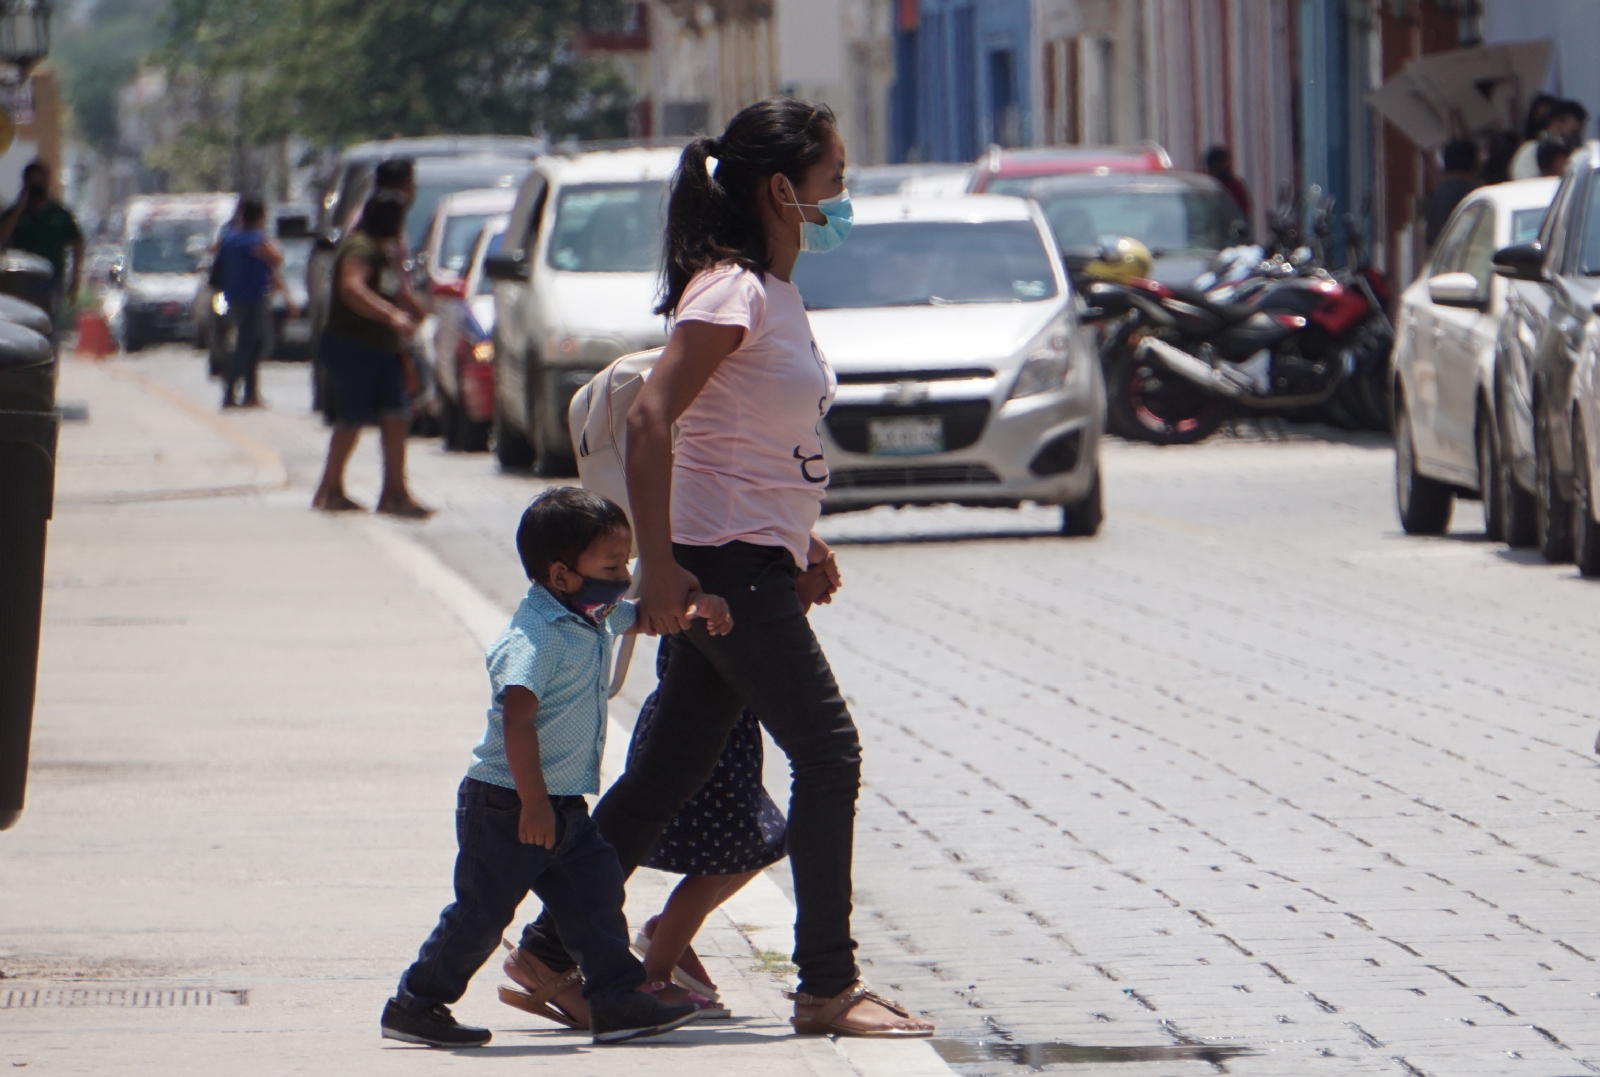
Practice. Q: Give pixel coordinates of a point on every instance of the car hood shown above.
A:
(605, 305)
(162, 287)
(919, 338)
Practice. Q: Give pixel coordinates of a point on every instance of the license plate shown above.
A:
(914, 435)
(172, 310)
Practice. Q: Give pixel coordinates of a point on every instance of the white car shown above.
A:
(576, 281)
(1445, 421)
(964, 376)
(463, 346)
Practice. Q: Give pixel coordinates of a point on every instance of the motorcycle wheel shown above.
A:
(1145, 403)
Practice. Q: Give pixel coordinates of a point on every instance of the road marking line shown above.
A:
(761, 905)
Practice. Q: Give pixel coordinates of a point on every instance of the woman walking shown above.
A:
(725, 478)
(362, 345)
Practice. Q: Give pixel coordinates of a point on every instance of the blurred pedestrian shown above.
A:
(1460, 160)
(363, 345)
(1553, 154)
(249, 262)
(1219, 166)
(726, 473)
(1563, 119)
(40, 225)
(1497, 161)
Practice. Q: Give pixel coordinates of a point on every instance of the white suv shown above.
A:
(576, 279)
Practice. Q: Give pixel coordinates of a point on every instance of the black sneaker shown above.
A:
(634, 1016)
(433, 1027)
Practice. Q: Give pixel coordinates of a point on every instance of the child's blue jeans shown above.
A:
(579, 881)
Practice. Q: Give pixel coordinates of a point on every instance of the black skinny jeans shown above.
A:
(771, 663)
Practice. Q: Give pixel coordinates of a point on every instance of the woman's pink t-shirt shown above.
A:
(748, 451)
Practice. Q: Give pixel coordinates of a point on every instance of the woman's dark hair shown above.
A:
(251, 210)
(393, 172)
(382, 216)
(560, 524)
(714, 217)
(1538, 115)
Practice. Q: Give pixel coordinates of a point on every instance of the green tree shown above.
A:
(98, 55)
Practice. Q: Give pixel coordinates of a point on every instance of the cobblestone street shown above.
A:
(1250, 781)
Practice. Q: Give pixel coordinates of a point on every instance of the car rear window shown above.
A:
(609, 228)
(929, 263)
(1161, 220)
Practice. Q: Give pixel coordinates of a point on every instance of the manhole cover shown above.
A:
(26, 998)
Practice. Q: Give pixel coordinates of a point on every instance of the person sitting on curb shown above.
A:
(522, 822)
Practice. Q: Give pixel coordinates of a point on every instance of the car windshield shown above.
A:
(1161, 220)
(170, 246)
(494, 173)
(485, 285)
(1525, 224)
(296, 252)
(455, 246)
(609, 228)
(918, 263)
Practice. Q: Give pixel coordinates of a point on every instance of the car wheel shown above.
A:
(449, 422)
(1147, 404)
(511, 449)
(470, 436)
(1585, 530)
(1519, 523)
(1424, 503)
(1080, 519)
(1489, 479)
(1554, 515)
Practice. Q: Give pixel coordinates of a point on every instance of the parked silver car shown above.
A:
(964, 376)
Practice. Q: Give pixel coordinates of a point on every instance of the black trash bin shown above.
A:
(28, 277)
(28, 428)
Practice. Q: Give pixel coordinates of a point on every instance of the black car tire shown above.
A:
(1555, 514)
(449, 421)
(470, 436)
(511, 449)
(1585, 529)
(1489, 478)
(1083, 518)
(1195, 418)
(1425, 504)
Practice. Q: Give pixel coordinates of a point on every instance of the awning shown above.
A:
(1464, 92)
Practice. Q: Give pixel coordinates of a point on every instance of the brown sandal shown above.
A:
(541, 1002)
(823, 1022)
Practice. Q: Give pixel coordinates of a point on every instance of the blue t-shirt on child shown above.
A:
(565, 661)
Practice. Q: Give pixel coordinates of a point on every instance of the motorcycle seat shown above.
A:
(1232, 313)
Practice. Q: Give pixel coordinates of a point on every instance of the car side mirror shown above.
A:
(1524, 261)
(328, 240)
(506, 266)
(1456, 290)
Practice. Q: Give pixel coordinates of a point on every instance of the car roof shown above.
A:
(1123, 181)
(478, 200)
(967, 208)
(434, 169)
(1518, 194)
(613, 165)
(446, 146)
(1056, 160)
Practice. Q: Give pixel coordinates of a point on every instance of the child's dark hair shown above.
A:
(713, 217)
(560, 524)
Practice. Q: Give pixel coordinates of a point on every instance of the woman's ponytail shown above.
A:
(712, 217)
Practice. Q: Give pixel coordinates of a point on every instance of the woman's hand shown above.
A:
(408, 375)
(714, 608)
(665, 592)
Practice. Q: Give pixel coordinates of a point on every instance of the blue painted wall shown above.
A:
(963, 78)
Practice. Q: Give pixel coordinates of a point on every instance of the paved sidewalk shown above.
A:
(251, 722)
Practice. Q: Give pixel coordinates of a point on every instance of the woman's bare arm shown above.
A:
(692, 356)
(366, 302)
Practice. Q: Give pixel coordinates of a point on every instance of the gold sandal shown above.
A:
(823, 1022)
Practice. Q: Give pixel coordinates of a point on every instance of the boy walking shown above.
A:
(521, 821)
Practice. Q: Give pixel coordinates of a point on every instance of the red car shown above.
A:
(1011, 171)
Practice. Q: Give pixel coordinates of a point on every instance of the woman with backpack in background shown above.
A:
(726, 474)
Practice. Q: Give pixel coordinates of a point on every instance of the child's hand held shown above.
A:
(719, 621)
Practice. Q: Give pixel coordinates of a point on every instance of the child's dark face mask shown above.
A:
(595, 598)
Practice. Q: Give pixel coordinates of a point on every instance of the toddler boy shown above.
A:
(521, 821)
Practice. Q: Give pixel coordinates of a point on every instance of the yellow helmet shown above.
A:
(1119, 260)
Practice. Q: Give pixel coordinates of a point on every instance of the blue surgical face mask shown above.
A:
(595, 599)
(822, 238)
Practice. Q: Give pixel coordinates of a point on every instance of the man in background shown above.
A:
(1566, 119)
(249, 261)
(1219, 165)
(1553, 154)
(1460, 160)
(40, 225)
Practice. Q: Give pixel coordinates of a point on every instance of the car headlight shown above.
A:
(219, 304)
(483, 351)
(1047, 366)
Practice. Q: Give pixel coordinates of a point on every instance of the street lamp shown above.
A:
(24, 33)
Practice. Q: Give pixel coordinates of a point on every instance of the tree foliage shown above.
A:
(97, 55)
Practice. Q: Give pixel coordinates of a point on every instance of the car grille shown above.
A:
(964, 421)
(895, 377)
(878, 477)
